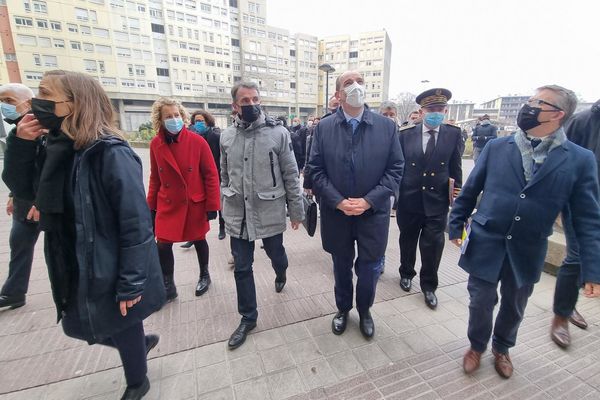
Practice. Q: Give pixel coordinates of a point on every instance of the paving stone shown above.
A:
(371, 356)
(344, 364)
(276, 359)
(178, 387)
(295, 332)
(396, 349)
(317, 373)
(319, 326)
(244, 368)
(268, 339)
(221, 394)
(212, 377)
(286, 383)
(66, 390)
(329, 343)
(177, 363)
(103, 382)
(304, 350)
(255, 389)
(417, 341)
(210, 354)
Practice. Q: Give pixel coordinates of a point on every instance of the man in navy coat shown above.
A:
(526, 180)
(356, 165)
(432, 151)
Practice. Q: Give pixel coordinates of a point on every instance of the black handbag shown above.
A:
(310, 214)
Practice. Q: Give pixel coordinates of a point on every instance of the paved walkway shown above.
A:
(416, 352)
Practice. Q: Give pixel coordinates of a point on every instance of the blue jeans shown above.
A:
(23, 236)
(483, 299)
(243, 255)
(568, 278)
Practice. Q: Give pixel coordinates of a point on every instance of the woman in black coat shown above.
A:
(99, 244)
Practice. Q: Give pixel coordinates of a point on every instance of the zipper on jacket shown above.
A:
(272, 168)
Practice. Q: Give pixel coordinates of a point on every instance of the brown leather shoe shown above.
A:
(471, 361)
(503, 365)
(578, 320)
(559, 332)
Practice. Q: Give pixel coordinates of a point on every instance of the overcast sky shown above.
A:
(479, 49)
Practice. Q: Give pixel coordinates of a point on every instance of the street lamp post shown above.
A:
(327, 68)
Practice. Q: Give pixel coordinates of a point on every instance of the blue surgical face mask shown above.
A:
(434, 119)
(174, 125)
(200, 126)
(9, 111)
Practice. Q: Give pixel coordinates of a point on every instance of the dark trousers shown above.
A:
(483, 298)
(130, 342)
(428, 233)
(243, 255)
(23, 236)
(568, 278)
(367, 274)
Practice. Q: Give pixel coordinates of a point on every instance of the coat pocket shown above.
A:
(480, 218)
(198, 197)
(271, 194)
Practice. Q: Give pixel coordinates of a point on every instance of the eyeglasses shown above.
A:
(539, 102)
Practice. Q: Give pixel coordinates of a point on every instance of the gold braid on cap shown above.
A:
(434, 99)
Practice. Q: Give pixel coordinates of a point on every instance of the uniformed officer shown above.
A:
(433, 165)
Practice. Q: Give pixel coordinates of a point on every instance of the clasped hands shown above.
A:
(353, 207)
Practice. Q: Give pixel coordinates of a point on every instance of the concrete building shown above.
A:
(504, 109)
(460, 111)
(368, 52)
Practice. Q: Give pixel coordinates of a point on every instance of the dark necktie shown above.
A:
(534, 143)
(430, 145)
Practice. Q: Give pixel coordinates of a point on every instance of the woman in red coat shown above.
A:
(183, 191)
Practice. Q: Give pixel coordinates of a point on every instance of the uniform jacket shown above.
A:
(182, 196)
(483, 134)
(374, 176)
(115, 248)
(424, 187)
(259, 176)
(515, 218)
(212, 135)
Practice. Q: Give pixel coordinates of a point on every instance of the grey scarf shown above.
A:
(537, 155)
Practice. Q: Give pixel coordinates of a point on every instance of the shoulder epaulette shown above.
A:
(405, 127)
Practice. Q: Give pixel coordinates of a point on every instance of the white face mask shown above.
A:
(355, 95)
(309, 124)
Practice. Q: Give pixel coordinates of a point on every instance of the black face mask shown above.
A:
(43, 110)
(528, 117)
(250, 112)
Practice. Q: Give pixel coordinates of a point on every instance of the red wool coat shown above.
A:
(184, 186)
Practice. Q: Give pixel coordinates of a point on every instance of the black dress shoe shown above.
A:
(367, 326)
(151, 342)
(405, 284)
(339, 322)
(280, 282)
(136, 392)
(238, 337)
(203, 284)
(187, 245)
(12, 301)
(221, 232)
(430, 299)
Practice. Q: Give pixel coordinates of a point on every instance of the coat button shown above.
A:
(423, 188)
(245, 158)
(167, 185)
(160, 169)
(433, 174)
(424, 173)
(273, 196)
(431, 188)
(413, 164)
(517, 218)
(442, 163)
(189, 169)
(509, 237)
(246, 198)
(522, 195)
(168, 201)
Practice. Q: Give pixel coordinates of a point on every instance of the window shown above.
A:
(90, 65)
(162, 72)
(108, 81)
(59, 43)
(353, 54)
(292, 85)
(121, 36)
(85, 30)
(22, 21)
(140, 70)
(55, 25)
(100, 32)
(235, 42)
(103, 49)
(72, 28)
(44, 42)
(27, 5)
(42, 24)
(127, 83)
(37, 60)
(76, 46)
(141, 8)
(123, 52)
(40, 6)
(155, 13)
(33, 76)
(158, 28)
(210, 63)
(205, 7)
(81, 14)
(88, 47)
(134, 23)
(151, 84)
(50, 61)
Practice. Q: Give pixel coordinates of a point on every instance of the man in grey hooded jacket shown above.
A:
(259, 175)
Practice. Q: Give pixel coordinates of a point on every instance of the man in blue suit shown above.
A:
(356, 165)
(527, 179)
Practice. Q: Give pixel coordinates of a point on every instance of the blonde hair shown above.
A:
(92, 114)
(157, 108)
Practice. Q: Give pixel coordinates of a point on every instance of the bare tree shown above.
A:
(406, 104)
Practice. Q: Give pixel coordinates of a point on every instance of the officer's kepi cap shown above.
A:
(434, 97)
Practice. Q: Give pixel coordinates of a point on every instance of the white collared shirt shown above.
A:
(425, 135)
